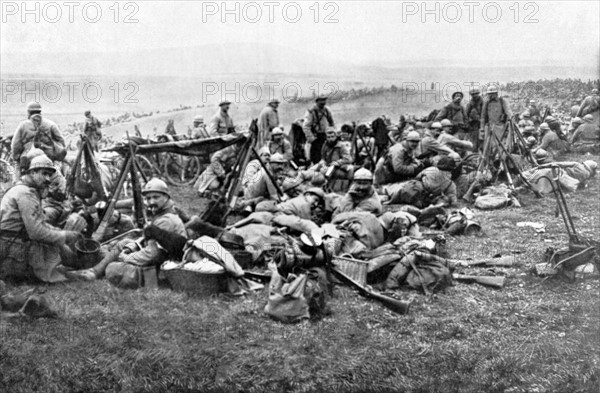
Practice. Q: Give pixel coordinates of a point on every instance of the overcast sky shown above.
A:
(376, 32)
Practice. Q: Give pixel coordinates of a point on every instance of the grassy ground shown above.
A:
(534, 335)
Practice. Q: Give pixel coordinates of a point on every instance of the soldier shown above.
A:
(92, 130)
(170, 130)
(267, 121)
(437, 182)
(37, 132)
(335, 158)
(221, 123)
(29, 247)
(455, 113)
(199, 130)
(448, 139)
(587, 134)
(142, 252)
(316, 121)
(430, 148)
(590, 104)
(495, 113)
(278, 144)
(473, 111)
(399, 163)
(256, 182)
(221, 163)
(552, 142)
(361, 196)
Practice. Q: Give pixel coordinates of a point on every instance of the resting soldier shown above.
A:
(361, 196)
(473, 111)
(29, 247)
(590, 104)
(437, 182)
(552, 142)
(144, 251)
(278, 144)
(448, 139)
(399, 163)
(430, 148)
(335, 158)
(220, 164)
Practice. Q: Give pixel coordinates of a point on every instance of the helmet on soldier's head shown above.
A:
(278, 158)
(526, 114)
(595, 91)
(34, 107)
(418, 125)
(198, 119)
(492, 89)
(475, 91)
(544, 126)
(531, 140)
(277, 131)
(330, 130)
(550, 119)
(156, 185)
(541, 154)
(529, 128)
(413, 136)
(363, 174)
(316, 191)
(577, 120)
(437, 125)
(41, 162)
(588, 118)
(446, 123)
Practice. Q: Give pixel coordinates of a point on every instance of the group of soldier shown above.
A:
(344, 171)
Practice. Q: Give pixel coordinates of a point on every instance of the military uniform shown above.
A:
(267, 120)
(220, 163)
(46, 136)
(397, 165)
(438, 183)
(221, 124)
(352, 203)
(29, 247)
(284, 148)
(315, 124)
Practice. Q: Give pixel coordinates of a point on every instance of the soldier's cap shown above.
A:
(331, 130)
(224, 103)
(419, 124)
(531, 140)
(593, 165)
(595, 91)
(446, 164)
(458, 93)
(436, 125)
(322, 97)
(198, 119)
(588, 118)
(577, 120)
(363, 174)
(278, 158)
(544, 126)
(274, 101)
(475, 91)
(529, 128)
(316, 191)
(526, 114)
(550, 119)
(87, 113)
(264, 150)
(413, 136)
(277, 131)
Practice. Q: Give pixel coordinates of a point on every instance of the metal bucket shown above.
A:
(88, 253)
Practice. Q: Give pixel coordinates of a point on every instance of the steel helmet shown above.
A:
(529, 128)
(331, 130)
(277, 131)
(419, 124)
(550, 119)
(413, 136)
(278, 158)
(531, 140)
(492, 89)
(156, 185)
(436, 125)
(363, 174)
(544, 126)
(541, 154)
(41, 162)
(34, 107)
(475, 90)
(526, 114)
(588, 118)
(316, 191)
(577, 120)
(595, 91)
(446, 123)
(198, 119)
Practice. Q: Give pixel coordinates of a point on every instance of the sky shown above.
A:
(393, 33)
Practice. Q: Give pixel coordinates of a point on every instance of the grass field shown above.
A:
(534, 335)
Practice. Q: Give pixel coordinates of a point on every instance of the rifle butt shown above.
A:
(399, 306)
